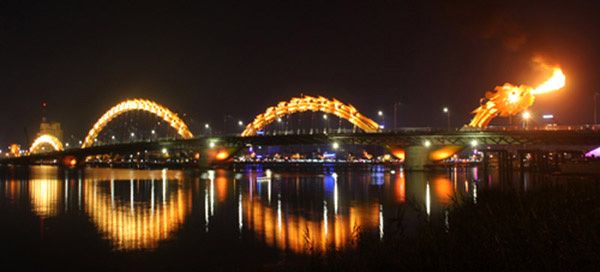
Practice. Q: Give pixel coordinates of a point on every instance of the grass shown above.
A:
(554, 227)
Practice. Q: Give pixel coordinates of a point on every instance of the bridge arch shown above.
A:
(46, 139)
(137, 105)
(311, 103)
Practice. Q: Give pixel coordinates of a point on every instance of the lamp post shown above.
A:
(447, 112)
(526, 116)
(396, 105)
(596, 94)
(380, 114)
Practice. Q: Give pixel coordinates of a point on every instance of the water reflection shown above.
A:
(138, 209)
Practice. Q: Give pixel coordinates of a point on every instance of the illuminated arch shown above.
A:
(140, 105)
(310, 103)
(46, 139)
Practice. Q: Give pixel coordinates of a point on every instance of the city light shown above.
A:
(240, 123)
(325, 116)
(153, 132)
(335, 145)
(427, 143)
(164, 151)
(211, 144)
(111, 137)
(473, 143)
(279, 120)
(526, 115)
(206, 126)
(380, 113)
(132, 134)
(445, 109)
(548, 116)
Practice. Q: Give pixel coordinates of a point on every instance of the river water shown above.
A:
(116, 218)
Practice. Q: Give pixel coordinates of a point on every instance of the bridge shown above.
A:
(419, 147)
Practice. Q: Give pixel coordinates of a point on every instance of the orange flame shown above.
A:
(556, 82)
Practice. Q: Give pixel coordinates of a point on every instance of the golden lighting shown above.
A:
(15, 150)
(137, 225)
(44, 190)
(509, 100)
(444, 152)
(44, 195)
(46, 139)
(298, 233)
(137, 105)
(443, 189)
(400, 187)
(398, 152)
(309, 103)
(222, 155)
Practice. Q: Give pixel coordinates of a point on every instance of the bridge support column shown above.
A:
(417, 157)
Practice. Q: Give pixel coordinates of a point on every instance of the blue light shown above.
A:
(328, 155)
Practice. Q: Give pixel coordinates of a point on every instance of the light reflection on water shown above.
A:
(138, 209)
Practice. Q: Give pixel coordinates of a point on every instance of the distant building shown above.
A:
(52, 128)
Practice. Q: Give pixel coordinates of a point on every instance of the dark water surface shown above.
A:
(122, 219)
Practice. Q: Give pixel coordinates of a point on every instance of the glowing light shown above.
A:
(137, 105)
(548, 116)
(398, 152)
(509, 100)
(325, 116)
(240, 123)
(444, 152)
(380, 113)
(427, 143)
(473, 143)
(46, 139)
(335, 145)
(206, 126)
(164, 151)
(445, 109)
(556, 82)
(526, 115)
(222, 155)
(309, 103)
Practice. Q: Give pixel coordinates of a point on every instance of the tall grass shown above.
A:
(555, 227)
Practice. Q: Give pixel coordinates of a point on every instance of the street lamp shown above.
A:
(335, 145)
(526, 116)
(596, 94)
(396, 105)
(427, 143)
(447, 112)
(473, 143)
(380, 114)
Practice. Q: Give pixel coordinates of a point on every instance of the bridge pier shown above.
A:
(417, 157)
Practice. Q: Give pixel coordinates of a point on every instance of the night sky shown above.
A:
(210, 58)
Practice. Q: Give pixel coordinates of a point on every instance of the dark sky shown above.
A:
(211, 58)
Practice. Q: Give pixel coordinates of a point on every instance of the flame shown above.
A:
(556, 82)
